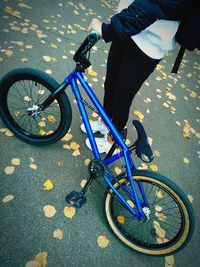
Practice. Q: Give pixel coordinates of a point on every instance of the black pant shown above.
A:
(127, 68)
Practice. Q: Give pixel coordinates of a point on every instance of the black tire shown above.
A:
(21, 90)
(151, 237)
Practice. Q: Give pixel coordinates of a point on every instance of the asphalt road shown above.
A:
(31, 30)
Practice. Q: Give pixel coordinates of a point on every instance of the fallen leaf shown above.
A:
(186, 160)
(33, 166)
(41, 258)
(54, 46)
(15, 161)
(190, 198)
(102, 241)
(51, 118)
(58, 234)
(76, 153)
(67, 137)
(159, 194)
(49, 211)
(130, 202)
(32, 264)
(120, 219)
(153, 168)
(87, 161)
(91, 72)
(9, 169)
(169, 260)
(69, 212)
(158, 208)
(83, 182)
(74, 146)
(48, 185)
(9, 133)
(118, 170)
(7, 198)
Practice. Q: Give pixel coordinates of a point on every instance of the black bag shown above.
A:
(188, 34)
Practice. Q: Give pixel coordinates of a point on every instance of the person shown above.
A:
(141, 33)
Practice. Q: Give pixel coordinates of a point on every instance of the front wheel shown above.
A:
(22, 91)
(171, 222)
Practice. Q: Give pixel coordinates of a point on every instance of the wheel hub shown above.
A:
(34, 111)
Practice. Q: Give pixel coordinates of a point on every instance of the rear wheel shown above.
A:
(171, 222)
(22, 91)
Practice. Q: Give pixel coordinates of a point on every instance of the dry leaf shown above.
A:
(102, 241)
(169, 260)
(83, 182)
(47, 58)
(91, 72)
(41, 258)
(190, 198)
(67, 137)
(54, 46)
(76, 153)
(9, 133)
(94, 114)
(66, 146)
(48, 185)
(130, 202)
(33, 166)
(15, 161)
(118, 170)
(32, 264)
(74, 146)
(51, 118)
(87, 161)
(9, 169)
(69, 212)
(153, 168)
(120, 219)
(186, 160)
(158, 208)
(49, 211)
(159, 194)
(58, 234)
(7, 198)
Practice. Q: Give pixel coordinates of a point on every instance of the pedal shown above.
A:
(75, 199)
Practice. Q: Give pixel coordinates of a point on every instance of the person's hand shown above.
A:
(95, 25)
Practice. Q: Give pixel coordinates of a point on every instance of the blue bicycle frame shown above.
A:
(125, 153)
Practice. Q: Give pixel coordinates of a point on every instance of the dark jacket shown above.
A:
(141, 14)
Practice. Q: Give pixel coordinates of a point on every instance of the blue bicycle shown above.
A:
(145, 210)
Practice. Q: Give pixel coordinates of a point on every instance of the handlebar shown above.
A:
(88, 43)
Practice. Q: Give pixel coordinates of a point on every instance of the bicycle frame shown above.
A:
(125, 153)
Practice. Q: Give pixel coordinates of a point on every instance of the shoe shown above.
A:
(102, 143)
(97, 126)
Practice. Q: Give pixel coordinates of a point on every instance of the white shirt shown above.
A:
(156, 39)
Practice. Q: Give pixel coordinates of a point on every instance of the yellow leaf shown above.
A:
(102, 241)
(94, 114)
(156, 153)
(120, 219)
(66, 146)
(49, 211)
(186, 160)
(190, 198)
(153, 168)
(9, 169)
(54, 46)
(42, 132)
(33, 166)
(91, 72)
(9, 133)
(83, 182)
(41, 258)
(76, 153)
(139, 114)
(67, 137)
(32, 264)
(158, 208)
(15, 161)
(51, 118)
(48, 185)
(131, 203)
(3, 130)
(42, 123)
(118, 170)
(7, 198)
(159, 194)
(27, 98)
(69, 212)
(169, 260)
(58, 234)
(74, 145)
(87, 161)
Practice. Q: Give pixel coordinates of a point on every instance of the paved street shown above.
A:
(44, 35)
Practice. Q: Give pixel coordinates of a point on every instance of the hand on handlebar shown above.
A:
(95, 25)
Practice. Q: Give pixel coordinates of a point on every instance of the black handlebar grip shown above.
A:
(93, 37)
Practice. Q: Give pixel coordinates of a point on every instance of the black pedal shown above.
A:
(76, 199)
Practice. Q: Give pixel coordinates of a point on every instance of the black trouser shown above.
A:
(127, 68)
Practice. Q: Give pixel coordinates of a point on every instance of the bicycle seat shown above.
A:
(143, 149)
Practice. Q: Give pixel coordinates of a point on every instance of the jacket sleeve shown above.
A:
(138, 16)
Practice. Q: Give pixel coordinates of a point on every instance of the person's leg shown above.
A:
(135, 68)
(116, 54)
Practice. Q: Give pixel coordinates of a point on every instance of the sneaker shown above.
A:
(97, 126)
(102, 143)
